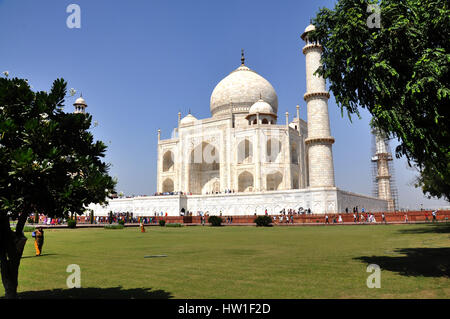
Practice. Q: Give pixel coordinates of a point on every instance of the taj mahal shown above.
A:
(247, 159)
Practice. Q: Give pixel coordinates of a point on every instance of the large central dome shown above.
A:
(240, 90)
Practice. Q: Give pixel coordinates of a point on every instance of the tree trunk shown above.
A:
(11, 250)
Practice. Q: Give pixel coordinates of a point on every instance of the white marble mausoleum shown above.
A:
(245, 159)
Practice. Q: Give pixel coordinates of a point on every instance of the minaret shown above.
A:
(382, 157)
(319, 141)
(80, 105)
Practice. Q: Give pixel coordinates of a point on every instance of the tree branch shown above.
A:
(21, 223)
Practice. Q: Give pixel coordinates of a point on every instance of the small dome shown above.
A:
(80, 100)
(262, 107)
(307, 30)
(188, 119)
(310, 28)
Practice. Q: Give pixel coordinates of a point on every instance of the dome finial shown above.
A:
(242, 57)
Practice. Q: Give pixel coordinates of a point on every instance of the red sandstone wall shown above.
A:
(390, 217)
(347, 218)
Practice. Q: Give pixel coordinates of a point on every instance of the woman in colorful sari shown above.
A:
(39, 240)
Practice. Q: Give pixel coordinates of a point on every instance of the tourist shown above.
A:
(406, 218)
(39, 240)
(383, 218)
(354, 218)
(326, 219)
(340, 219)
(142, 227)
(434, 215)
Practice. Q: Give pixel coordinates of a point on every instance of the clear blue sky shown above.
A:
(140, 62)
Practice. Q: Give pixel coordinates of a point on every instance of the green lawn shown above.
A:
(241, 262)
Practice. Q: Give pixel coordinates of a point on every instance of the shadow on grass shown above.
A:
(428, 262)
(34, 256)
(441, 228)
(96, 293)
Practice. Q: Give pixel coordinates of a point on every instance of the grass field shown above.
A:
(241, 262)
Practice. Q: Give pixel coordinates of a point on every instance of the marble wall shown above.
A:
(319, 200)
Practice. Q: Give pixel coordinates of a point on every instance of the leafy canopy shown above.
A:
(399, 73)
(49, 162)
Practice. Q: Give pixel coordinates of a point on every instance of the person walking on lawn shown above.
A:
(39, 240)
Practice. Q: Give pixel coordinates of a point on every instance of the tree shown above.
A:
(49, 163)
(398, 72)
(432, 183)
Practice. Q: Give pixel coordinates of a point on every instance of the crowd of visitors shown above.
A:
(226, 191)
(171, 193)
(283, 216)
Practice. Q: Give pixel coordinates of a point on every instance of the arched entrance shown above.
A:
(273, 181)
(245, 152)
(204, 172)
(168, 185)
(168, 161)
(245, 182)
(273, 150)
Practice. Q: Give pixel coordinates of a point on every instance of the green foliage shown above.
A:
(399, 73)
(263, 221)
(49, 161)
(26, 229)
(71, 223)
(162, 222)
(118, 226)
(432, 183)
(121, 222)
(215, 220)
(174, 225)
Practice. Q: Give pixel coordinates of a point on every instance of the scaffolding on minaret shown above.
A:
(383, 173)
